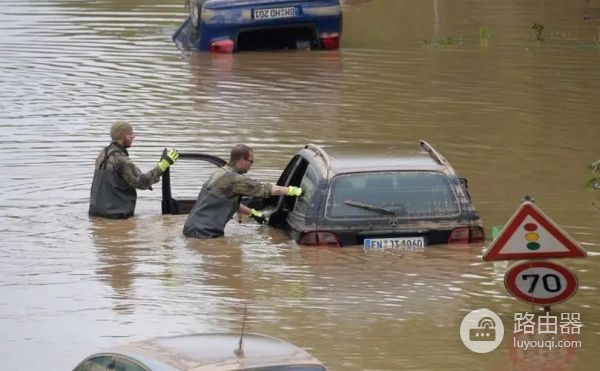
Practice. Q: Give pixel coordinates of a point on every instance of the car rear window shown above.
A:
(410, 194)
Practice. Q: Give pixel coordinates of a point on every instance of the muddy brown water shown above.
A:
(511, 104)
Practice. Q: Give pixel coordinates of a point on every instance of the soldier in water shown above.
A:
(116, 177)
(220, 196)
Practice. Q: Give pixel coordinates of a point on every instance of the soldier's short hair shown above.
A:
(239, 152)
(120, 129)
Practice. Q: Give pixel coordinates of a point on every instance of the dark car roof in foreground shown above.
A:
(215, 351)
(347, 160)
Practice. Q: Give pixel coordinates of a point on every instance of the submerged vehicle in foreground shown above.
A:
(218, 351)
(226, 26)
(402, 199)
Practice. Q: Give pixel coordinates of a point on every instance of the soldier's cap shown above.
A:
(120, 129)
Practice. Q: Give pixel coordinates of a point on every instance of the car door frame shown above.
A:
(174, 206)
(280, 212)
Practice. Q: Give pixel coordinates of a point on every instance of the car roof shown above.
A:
(344, 159)
(216, 351)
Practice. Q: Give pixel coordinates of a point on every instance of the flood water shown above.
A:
(513, 106)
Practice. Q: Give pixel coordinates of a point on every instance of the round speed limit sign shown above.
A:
(540, 282)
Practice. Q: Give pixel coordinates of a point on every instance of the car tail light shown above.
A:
(320, 238)
(466, 235)
(222, 46)
(330, 40)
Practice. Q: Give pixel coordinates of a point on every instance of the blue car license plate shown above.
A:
(274, 13)
(394, 243)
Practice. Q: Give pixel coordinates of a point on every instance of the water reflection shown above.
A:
(221, 269)
(116, 246)
(250, 95)
(546, 353)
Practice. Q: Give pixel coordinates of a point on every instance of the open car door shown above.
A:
(291, 176)
(184, 204)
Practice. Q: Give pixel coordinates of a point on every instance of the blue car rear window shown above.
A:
(410, 194)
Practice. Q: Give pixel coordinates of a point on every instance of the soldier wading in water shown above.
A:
(116, 177)
(220, 196)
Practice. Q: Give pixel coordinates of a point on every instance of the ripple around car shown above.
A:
(404, 199)
(226, 26)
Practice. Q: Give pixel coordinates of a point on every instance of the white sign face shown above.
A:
(540, 282)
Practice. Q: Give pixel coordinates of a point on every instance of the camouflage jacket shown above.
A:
(121, 164)
(218, 200)
(226, 182)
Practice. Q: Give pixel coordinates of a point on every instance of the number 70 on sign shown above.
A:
(540, 282)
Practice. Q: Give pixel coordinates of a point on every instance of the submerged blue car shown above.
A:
(226, 26)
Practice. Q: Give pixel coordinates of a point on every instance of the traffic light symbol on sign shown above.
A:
(532, 236)
(484, 331)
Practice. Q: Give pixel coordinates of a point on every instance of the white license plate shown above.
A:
(394, 243)
(273, 13)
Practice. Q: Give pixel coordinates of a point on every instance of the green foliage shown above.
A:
(539, 28)
(484, 36)
(484, 33)
(594, 180)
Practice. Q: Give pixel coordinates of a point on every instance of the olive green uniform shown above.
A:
(218, 200)
(116, 178)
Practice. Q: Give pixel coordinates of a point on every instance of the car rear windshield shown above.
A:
(410, 194)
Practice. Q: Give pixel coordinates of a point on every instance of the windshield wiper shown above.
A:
(369, 207)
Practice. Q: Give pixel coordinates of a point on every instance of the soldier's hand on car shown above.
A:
(168, 158)
(295, 191)
(258, 216)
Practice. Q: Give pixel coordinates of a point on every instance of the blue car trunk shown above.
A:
(231, 25)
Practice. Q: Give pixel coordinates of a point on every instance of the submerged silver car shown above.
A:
(198, 352)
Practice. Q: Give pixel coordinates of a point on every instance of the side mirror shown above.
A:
(464, 182)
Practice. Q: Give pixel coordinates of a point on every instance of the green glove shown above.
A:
(294, 191)
(258, 216)
(167, 159)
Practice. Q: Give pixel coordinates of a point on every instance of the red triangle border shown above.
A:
(527, 208)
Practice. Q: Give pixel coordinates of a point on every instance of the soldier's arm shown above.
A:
(245, 186)
(279, 190)
(245, 210)
(134, 176)
(249, 187)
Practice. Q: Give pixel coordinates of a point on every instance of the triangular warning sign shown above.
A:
(531, 234)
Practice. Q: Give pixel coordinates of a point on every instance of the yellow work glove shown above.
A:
(258, 216)
(294, 191)
(167, 159)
